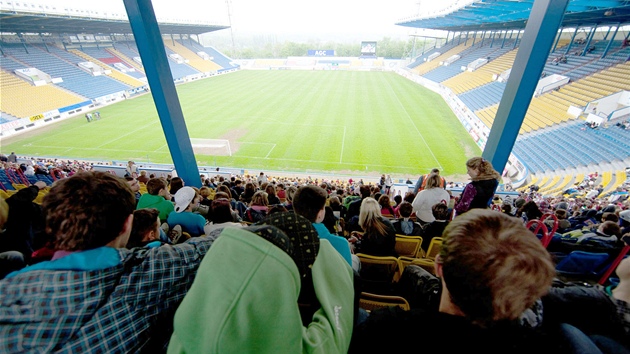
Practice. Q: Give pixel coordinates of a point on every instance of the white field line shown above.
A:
(419, 133)
(343, 143)
(273, 147)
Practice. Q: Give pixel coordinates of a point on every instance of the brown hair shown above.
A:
(440, 211)
(433, 181)
(87, 210)
(610, 228)
(405, 209)
(154, 185)
(144, 221)
(309, 200)
(510, 267)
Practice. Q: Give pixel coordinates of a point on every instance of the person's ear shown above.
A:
(321, 215)
(437, 266)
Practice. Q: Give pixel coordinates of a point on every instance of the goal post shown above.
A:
(215, 147)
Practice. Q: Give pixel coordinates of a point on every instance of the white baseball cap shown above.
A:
(183, 197)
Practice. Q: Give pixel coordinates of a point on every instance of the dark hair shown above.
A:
(405, 209)
(364, 191)
(221, 211)
(176, 184)
(144, 221)
(154, 185)
(87, 210)
(440, 211)
(309, 200)
(224, 189)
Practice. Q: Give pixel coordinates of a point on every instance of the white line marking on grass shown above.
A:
(160, 148)
(273, 147)
(94, 148)
(124, 135)
(320, 161)
(343, 142)
(414, 125)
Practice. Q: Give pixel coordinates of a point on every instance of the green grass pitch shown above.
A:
(301, 121)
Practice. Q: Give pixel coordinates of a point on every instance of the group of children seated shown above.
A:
(247, 265)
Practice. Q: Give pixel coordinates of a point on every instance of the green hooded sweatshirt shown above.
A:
(244, 300)
(158, 202)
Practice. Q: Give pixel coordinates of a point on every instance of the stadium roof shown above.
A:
(513, 14)
(24, 22)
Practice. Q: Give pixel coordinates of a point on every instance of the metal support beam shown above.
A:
(542, 26)
(518, 34)
(610, 42)
(555, 44)
(504, 38)
(151, 47)
(588, 42)
(572, 39)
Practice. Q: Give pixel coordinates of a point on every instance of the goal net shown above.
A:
(215, 147)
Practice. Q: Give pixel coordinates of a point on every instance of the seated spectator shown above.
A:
(511, 271)
(271, 195)
(143, 177)
(379, 236)
(145, 230)
(248, 193)
(175, 184)
(222, 215)
(92, 277)
(9, 260)
(310, 202)
(529, 211)
(280, 192)
(386, 208)
(404, 225)
(186, 199)
(157, 197)
(230, 311)
(135, 187)
(596, 310)
(258, 207)
(24, 228)
(435, 228)
(290, 193)
(607, 232)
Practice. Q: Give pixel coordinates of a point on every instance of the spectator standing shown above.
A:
(429, 196)
(479, 192)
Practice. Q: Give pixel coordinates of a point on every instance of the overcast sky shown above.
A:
(321, 17)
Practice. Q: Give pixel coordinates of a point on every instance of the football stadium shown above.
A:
(365, 177)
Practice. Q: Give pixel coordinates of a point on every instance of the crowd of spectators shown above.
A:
(99, 241)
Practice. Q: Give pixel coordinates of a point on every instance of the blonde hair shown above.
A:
(370, 217)
(4, 212)
(484, 167)
(260, 198)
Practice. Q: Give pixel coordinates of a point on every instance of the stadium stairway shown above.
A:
(218, 57)
(467, 80)
(127, 60)
(433, 64)
(194, 60)
(115, 74)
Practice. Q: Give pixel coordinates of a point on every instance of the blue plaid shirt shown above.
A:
(127, 307)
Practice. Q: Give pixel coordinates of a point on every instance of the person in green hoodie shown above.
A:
(245, 297)
(157, 197)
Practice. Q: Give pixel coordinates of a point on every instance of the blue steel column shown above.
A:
(610, 42)
(588, 41)
(542, 27)
(572, 39)
(555, 44)
(151, 47)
